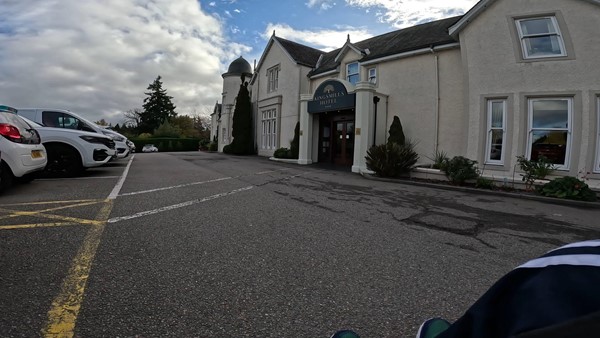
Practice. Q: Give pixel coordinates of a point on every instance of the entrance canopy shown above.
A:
(331, 95)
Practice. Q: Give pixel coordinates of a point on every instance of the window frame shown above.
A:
(597, 157)
(569, 129)
(523, 38)
(372, 78)
(269, 129)
(273, 79)
(489, 130)
(357, 73)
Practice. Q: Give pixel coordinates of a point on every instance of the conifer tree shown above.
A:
(242, 143)
(158, 107)
(396, 132)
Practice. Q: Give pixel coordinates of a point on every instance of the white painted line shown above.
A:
(271, 171)
(115, 192)
(175, 186)
(76, 178)
(177, 206)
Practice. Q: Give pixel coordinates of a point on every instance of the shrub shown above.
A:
(282, 153)
(484, 183)
(440, 158)
(295, 144)
(227, 149)
(396, 132)
(213, 146)
(459, 169)
(569, 188)
(534, 170)
(391, 159)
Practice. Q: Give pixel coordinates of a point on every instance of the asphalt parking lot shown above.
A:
(209, 245)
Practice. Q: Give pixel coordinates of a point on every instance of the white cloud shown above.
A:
(98, 58)
(326, 39)
(321, 4)
(407, 13)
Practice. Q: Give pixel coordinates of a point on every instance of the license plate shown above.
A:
(36, 154)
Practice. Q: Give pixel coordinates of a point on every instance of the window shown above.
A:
(550, 130)
(373, 75)
(273, 79)
(62, 120)
(540, 37)
(597, 165)
(269, 129)
(224, 133)
(352, 73)
(496, 131)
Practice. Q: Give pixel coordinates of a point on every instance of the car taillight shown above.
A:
(10, 132)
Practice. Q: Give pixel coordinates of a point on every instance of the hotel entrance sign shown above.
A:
(331, 95)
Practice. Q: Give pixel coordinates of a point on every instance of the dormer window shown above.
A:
(273, 79)
(540, 37)
(352, 74)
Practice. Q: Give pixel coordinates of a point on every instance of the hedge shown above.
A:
(167, 143)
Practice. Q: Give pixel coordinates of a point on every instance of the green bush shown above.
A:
(282, 153)
(213, 146)
(391, 159)
(396, 132)
(227, 149)
(459, 169)
(167, 144)
(534, 170)
(295, 144)
(569, 188)
(440, 158)
(484, 183)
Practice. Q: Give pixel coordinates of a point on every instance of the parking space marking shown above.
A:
(45, 213)
(36, 225)
(175, 186)
(64, 311)
(65, 307)
(177, 206)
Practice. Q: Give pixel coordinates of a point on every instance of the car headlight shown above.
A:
(94, 139)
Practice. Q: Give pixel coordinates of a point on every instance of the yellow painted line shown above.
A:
(35, 225)
(51, 202)
(65, 307)
(17, 213)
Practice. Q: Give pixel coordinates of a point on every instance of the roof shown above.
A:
(301, 54)
(425, 35)
(239, 66)
(476, 10)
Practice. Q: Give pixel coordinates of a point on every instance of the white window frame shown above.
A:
(357, 73)
(272, 79)
(524, 38)
(372, 74)
(597, 163)
(269, 129)
(569, 129)
(488, 151)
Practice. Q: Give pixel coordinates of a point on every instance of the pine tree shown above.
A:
(396, 133)
(242, 143)
(158, 108)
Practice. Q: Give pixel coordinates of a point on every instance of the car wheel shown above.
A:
(26, 178)
(6, 176)
(63, 160)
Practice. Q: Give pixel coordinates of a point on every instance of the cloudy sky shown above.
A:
(97, 57)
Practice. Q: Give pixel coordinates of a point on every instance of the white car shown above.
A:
(71, 151)
(61, 118)
(22, 151)
(149, 148)
(122, 146)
